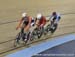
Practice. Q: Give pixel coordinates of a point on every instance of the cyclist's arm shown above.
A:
(30, 19)
(37, 22)
(20, 22)
(51, 18)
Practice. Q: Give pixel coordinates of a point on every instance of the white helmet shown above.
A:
(39, 16)
(24, 14)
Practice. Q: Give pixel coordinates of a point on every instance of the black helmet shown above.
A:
(54, 13)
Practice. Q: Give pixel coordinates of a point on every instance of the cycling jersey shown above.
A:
(55, 18)
(42, 21)
(32, 22)
(25, 20)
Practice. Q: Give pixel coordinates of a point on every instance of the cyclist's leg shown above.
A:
(27, 32)
(27, 35)
(52, 23)
(47, 26)
(30, 33)
(51, 26)
(22, 31)
(55, 27)
(34, 31)
(40, 30)
(32, 28)
(18, 37)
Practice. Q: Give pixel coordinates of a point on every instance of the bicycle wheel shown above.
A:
(47, 29)
(35, 34)
(32, 36)
(16, 41)
(54, 29)
(40, 32)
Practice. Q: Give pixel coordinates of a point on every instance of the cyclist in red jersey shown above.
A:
(41, 20)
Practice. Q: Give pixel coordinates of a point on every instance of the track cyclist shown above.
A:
(54, 20)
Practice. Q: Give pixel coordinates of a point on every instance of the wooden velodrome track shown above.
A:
(10, 13)
(11, 48)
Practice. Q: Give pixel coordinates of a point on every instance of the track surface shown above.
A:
(65, 50)
(46, 45)
(10, 12)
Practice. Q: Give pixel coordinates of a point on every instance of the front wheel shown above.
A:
(47, 29)
(40, 32)
(25, 38)
(17, 40)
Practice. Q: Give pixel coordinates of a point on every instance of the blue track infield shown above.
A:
(28, 52)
